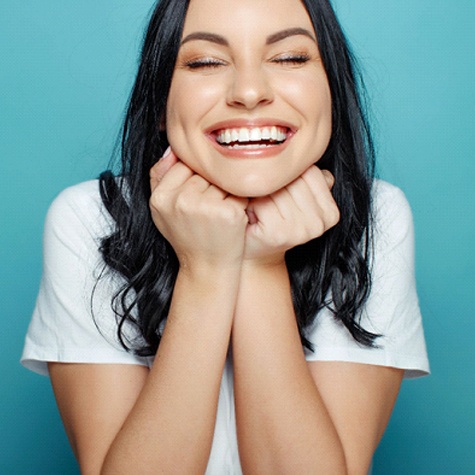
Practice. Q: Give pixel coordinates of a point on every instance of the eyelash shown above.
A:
(203, 63)
(214, 63)
(292, 59)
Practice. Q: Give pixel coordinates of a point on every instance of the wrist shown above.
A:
(263, 286)
(265, 263)
(264, 271)
(205, 270)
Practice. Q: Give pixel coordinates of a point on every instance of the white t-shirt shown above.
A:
(63, 329)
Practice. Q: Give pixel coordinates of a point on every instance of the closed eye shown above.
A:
(204, 63)
(291, 59)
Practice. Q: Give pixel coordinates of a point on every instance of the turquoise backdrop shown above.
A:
(65, 72)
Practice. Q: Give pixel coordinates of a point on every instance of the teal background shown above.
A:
(65, 72)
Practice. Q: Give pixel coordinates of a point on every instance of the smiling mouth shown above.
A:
(252, 138)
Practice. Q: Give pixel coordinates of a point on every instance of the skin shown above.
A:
(250, 73)
(231, 216)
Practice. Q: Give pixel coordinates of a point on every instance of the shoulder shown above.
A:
(392, 215)
(388, 198)
(83, 198)
(392, 309)
(78, 211)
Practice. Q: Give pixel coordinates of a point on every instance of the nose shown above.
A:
(249, 88)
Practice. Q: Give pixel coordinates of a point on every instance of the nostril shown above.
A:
(250, 91)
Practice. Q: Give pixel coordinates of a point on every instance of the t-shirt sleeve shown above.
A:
(73, 321)
(392, 309)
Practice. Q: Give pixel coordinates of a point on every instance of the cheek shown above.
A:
(182, 120)
(318, 100)
(310, 94)
(177, 97)
(187, 116)
(190, 99)
(312, 97)
(319, 109)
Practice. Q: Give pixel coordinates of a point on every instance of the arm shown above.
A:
(360, 399)
(128, 420)
(138, 420)
(294, 416)
(283, 425)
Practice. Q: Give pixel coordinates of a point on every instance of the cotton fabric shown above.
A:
(73, 321)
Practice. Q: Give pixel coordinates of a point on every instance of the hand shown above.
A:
(204, 224)
(303, 210)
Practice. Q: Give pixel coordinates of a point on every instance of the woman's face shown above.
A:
(249, 107)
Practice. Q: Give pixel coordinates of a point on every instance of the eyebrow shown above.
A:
(281, 35)
(271, 39)
(203, 35)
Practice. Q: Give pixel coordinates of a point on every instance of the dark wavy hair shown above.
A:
(331, 271)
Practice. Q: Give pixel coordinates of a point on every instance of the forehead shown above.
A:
(245, 17)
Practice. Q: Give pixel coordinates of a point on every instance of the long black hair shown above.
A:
(331, 271)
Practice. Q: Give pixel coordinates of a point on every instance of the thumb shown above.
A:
(251, 215)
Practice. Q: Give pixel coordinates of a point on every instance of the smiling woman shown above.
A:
(239, 76)
(241, 297)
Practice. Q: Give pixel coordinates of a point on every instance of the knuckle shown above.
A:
(329, 178)
(182, 202)
(156, 200)
(318, 228)
(231, 214)
(334, 215)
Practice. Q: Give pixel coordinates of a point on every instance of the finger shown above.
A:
(320, 183)
(176, 175)
(329, 178)
(302, 194)
(197, 183)
(312, 197)
(263, 211)
(294, 198)
(251, 215)
(158, 171)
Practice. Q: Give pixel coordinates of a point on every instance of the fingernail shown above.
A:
(167, 152)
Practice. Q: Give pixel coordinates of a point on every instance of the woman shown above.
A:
(276, 303)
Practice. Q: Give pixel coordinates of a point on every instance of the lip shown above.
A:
(269, 151)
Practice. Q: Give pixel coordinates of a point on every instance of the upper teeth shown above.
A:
(256, 134)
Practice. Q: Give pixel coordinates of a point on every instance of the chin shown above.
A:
(250, 190)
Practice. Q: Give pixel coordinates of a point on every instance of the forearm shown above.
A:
(170, 429)
(283, 424)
